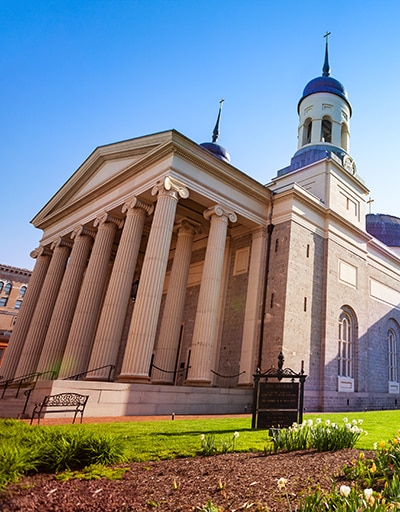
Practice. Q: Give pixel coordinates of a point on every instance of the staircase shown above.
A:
(12, 406)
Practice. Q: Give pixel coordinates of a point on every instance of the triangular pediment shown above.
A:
(104, 167)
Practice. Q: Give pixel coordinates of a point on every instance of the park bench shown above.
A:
(63, 402)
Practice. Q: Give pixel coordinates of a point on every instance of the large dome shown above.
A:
(216, 150)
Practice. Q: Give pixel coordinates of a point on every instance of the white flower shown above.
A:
(360, 422)
(354, 422)
(368, 494)
(327, 423)
(345, 420)
(310, 423)
(318, 421)
(235, 435)
(344, 490)
(202, 437)
(282, 483)
(375, 446)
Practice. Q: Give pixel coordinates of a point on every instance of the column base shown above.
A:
(160, 382)
(138, 379)
(197, 382)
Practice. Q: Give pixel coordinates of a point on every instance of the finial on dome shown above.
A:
(216, 128)
(326, 70)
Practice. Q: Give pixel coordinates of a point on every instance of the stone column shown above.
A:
(83, 327)
(111, 323)
(168, 344)
(142, 331)
(40, 321)
(206, 322)
(21, 327)
(253, 310)
(57, 333)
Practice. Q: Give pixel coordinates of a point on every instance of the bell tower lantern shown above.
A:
(324, 112)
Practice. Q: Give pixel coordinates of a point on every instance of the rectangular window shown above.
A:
(3, 302)
(18, 304)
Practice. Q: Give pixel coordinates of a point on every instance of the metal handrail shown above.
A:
(79, 376)
(30, 378)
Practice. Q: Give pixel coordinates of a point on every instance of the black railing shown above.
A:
(18, 382)
(80, 376)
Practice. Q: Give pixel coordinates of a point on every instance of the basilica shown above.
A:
(165, 277)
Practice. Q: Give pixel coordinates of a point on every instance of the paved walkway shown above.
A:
(120, 419)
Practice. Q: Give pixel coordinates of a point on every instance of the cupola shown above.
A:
(324, 112)
(214, 148)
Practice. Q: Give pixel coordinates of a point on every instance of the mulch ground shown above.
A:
(245, 481)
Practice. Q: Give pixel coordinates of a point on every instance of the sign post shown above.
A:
(278, 404)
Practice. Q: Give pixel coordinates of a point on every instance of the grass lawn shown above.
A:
(163, 439)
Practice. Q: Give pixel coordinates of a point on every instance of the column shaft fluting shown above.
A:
(142, 331)
(168, 338)
(112, 318)
(206, 321)
(60, 323)
(253, 310)
(83, 327)
(21, 327)
(40, 321)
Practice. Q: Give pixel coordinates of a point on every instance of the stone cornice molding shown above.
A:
(136, 203)
(106, 217)
(170, 186)
(220, 211)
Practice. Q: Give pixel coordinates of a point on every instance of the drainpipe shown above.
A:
(270, 229)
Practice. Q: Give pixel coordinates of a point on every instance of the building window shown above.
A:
(7, 288)
(22, 291)
(1, 286)
(3, 302)
(326, 130)
(392, 352)
(18, 304)
(307, 131)
(346, 346)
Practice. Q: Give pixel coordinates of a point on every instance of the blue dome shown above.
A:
(216, 150)
(325, 84)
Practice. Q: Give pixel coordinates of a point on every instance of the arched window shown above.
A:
(307, 131)
(346, 346)
(326, 130)
(7, 288)
(392, 353)
(22, 291)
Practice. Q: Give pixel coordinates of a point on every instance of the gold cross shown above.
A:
(369, 202)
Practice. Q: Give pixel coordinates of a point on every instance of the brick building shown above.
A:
(13, 285)
(165, 276)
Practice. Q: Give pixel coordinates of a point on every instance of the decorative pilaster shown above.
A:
(21, 327)
(168, 339)
(111, 323)
(206, 322)
(139, 348)
(40, 321)
(84, 323)
(253, 310)
(57, 333)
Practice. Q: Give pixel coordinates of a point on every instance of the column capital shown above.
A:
(83, 231)
(107, 217)
(61, 242)
(171, 185)
(188, 226)
(41, 251)
(220, 211)
(135, 202)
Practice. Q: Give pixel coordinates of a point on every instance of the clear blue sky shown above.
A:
(78, 74)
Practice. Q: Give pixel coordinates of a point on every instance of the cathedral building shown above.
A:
(166, 278)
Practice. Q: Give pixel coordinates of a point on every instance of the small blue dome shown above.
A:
(217, 151)
(325, 84)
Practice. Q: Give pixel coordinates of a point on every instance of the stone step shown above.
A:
(12, 407)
